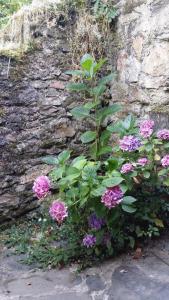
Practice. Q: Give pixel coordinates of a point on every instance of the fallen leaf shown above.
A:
(138, 253)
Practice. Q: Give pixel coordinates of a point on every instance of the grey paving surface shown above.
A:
(120, 279)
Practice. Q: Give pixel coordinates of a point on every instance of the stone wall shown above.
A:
(34, 115)
(143, 55)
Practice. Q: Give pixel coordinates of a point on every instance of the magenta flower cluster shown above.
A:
(129, 143)
(95, 222)
(143, 161)
(112, 197)
(41, 186)
(146, 128)
(127, 168)
(163, 134)
(165, 161)
(58, 211)
(89, 240)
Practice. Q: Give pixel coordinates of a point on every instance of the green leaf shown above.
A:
(88, 137)
(98, 66)
(77, 87)
(105, 136)
(127, 200)
(105, 150)
(87, 62)
(64, 156)
(146, 174)
(128, 208)
(75, 72)
(166, 182)
(107, 79)
(110, 182)
(50, 160)
(80, 112)
(80, 163)
(57, 173)
(98, 90)
(149, 147)
(162, 172)
(166, 146)
(99, 191)
(112, 164)
(116, 128)
(107, 111)
(128, 122)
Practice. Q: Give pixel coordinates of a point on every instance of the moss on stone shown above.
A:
(160, 109)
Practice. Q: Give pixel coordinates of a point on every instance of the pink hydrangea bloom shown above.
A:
(143, 161)
(163, 134)
(41, 186)
(112, 197)
(146, 128)
(165, 161)
(126, 168)
(129, 143)
(89, 240)
(58, 211)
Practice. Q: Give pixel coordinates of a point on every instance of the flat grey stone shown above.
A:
(66, 296)
(95, 283)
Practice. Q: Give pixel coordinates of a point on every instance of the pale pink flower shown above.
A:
(58, 211)
(41, 186)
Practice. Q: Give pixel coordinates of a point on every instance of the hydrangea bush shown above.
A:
(117, 191)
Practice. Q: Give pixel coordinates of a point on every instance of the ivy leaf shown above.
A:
(110, 182)
(162, 172)
(80, 112)
(128, 208)
(88, 137)
(128, 200)
(50, 160)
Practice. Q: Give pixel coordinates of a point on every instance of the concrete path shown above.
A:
(123, 278)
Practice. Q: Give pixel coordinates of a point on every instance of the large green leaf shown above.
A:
(87, 62)
(128, 208)
(99, 191)
(80, 112)
(88, 137)
(75, 72)
(50, 160)
(107, 79)
(107, 111)
(98, 90)
(110, 182)
(64, 156)
(57, 173)
(128, 200)
(80, 163)
(105, 150)
(79, 87)
(128, 122)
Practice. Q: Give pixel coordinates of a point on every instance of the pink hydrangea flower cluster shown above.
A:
(129, 143)
(163, 134)
(89, 240)
(41, 186)
(143, 161)
(126, 168)
(112, 197)
(146, 128)
(58, 211)
(165, 161)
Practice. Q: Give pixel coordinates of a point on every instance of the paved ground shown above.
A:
(123, 278)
